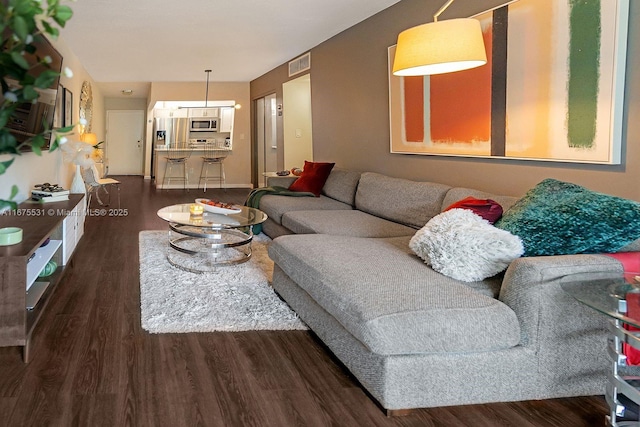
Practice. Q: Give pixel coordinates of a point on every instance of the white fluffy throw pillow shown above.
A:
(462, 245)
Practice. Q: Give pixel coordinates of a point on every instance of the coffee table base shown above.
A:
(203, 250)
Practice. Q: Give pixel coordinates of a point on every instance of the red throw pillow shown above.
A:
(313, 177)
(486, 208)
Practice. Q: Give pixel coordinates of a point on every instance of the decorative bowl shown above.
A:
(10, 236)
(48, 269)
(216, 209)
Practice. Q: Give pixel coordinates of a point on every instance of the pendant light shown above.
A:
(440, 47)
(206, 93)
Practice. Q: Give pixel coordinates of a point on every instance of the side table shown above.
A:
(620, 301)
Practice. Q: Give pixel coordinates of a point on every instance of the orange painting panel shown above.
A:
(461, 102)
(414, 109)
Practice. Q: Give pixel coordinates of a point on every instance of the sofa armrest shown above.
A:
(280, 181)
(531, 287)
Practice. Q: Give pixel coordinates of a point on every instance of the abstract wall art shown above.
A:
(552, 89)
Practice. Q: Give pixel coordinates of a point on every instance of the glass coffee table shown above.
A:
(618, 299)
(201, 243)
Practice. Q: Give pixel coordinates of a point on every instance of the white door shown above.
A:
(270, 131)
(125, 132)
(298, 139)
(266, 113)
(260, 137)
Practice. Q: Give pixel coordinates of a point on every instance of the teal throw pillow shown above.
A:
(560, 218)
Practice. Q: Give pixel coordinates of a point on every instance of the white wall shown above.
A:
(29, 169)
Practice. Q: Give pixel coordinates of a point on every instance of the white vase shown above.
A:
(77, 185)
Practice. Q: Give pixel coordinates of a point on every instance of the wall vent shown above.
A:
(300, 64)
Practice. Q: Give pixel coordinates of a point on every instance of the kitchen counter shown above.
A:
(193, 164)
(199, 147)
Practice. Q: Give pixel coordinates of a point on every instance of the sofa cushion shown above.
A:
(458, 193)
(343, 223)
(462, 245)
(561, 218)
(389, 300)
(406, 202)
(341, 185)
(313, 177)
(276, 206)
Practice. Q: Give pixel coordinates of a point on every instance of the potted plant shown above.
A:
(21, 21)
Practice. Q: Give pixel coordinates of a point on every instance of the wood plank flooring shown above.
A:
(93, 365)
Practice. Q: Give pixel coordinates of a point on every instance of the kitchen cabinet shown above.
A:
(51, 232)
(170, 113)
(226, 119)
(204, 112)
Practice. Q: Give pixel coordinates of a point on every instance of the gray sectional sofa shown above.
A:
(413, 337)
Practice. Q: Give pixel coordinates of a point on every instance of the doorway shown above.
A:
(125, 132)
(266, 136)
(298, 139)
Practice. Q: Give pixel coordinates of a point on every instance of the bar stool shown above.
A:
(176, 158)
(213, 156)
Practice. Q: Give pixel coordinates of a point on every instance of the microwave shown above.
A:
(203, 124)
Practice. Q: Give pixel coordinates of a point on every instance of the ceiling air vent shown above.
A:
(300, 64)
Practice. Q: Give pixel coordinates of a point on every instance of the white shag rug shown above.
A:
(233, 298)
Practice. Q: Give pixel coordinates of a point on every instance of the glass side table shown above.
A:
(619, 299)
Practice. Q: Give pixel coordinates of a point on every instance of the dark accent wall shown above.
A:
(350, 103)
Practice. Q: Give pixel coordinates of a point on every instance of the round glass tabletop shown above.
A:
(180, 214)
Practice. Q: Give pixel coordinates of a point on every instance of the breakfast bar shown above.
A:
(194, 155)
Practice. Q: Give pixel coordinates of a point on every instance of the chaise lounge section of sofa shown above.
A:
(416, 338)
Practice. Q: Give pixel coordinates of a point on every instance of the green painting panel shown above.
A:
(584, 72)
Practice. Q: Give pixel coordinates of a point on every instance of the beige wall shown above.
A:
(125, 103)
(349, 83)
(30, 169)
(238, 163)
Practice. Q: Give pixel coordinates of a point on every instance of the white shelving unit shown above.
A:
(42, 256)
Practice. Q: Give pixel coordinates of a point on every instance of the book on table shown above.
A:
(43, 193)
(49, 199)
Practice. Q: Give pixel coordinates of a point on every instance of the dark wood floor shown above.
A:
(93, 365)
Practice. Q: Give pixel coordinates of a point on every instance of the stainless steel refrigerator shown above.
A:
(168, 133)
(171, 132)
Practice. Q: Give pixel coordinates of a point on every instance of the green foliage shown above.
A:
(10, 203)
(22, 22)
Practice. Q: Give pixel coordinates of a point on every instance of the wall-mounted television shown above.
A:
(31, 119)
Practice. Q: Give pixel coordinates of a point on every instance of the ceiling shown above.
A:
(125, 43)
